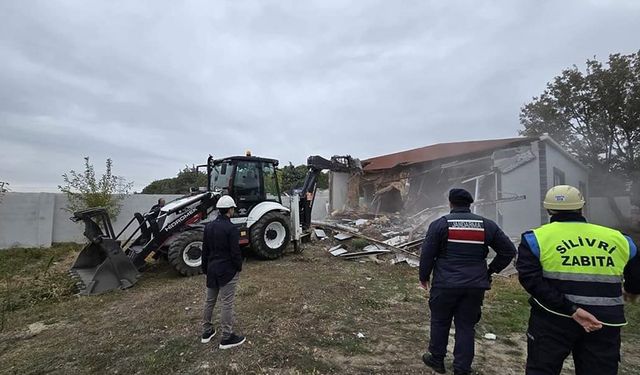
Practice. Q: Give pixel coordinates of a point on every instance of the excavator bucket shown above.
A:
(101, 265)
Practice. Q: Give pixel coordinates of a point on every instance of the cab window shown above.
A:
(247, 182)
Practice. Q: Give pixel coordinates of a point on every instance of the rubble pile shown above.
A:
(391, 237)
(360, 234)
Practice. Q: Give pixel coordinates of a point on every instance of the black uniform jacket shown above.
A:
(221, 256)
(460, 262)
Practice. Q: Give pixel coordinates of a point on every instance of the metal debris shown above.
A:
(343, 236)
(337, 250)
(320, 233)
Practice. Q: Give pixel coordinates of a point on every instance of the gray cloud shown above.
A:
(159, 84)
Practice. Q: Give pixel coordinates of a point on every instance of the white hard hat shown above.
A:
(563, 198)
(225, 202)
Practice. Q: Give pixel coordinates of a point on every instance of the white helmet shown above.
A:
(563, 198)
(225, 202)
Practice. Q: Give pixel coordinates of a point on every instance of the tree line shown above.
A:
(290, 177)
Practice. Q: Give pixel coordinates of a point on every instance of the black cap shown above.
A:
(460, 197)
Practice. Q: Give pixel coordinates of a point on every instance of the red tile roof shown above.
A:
(439, 151)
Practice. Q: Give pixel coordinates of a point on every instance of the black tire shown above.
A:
(186, 242)
(259, 243)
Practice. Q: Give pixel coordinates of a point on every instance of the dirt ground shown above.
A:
(301, 314)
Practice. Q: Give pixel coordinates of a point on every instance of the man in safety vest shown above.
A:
(575, 272)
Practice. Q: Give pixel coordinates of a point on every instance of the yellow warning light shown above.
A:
(248, 153)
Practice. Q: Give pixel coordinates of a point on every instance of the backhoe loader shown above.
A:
(175, 233)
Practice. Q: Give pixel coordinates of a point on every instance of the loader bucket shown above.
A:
(101, 265)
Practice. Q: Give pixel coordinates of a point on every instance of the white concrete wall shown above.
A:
(38, 219)
(26, 219)
(520, 216)
(320, 205)
(574, 173)
(339, 190)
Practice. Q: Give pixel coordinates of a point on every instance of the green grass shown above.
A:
(301, 315)
(25, 262)
(506, 308)
(30, 277)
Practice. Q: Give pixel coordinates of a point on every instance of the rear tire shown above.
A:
(185, 252)
(270, 235)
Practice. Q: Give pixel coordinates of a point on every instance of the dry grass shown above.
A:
(301, 315)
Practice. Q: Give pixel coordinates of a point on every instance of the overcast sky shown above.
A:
(155, 85)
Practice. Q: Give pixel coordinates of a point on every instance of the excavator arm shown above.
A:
(316, 165)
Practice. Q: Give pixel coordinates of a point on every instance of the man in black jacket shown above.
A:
(222, 263)
(455, 249)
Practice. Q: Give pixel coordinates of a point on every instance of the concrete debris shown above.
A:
(343, 236)
(490, 336)
(400, 258)
(320, 233)
(397, 240)
(337, 252)
(36, 328)
(373, 248)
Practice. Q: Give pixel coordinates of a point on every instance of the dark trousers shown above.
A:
(463, 306)
(550, 339)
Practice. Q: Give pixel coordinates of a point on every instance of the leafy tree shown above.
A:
(594, 114)
(293, 177)
(186, 179)
(84, 190)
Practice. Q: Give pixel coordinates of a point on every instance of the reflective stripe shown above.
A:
(595, 301)
(633, 249)
(611, 279)
(533, 244)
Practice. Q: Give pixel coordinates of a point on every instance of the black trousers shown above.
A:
(550, 339)
(464, 307)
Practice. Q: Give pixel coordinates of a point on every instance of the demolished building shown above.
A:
(508, 178)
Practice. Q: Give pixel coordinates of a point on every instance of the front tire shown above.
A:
(185, 253)
(270, 235)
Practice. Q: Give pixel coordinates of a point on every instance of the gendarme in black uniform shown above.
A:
(455, 250)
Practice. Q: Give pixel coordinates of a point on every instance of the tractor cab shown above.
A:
(249, 180)
(260, 216)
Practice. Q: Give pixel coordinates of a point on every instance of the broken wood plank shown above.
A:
(364, 253)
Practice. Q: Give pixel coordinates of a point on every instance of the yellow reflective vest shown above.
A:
(586, 263)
